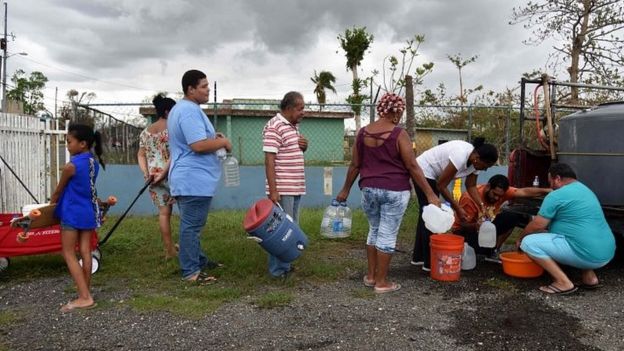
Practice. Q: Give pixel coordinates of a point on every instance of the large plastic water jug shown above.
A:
(438, 219)
(469, 258)
(336, 221)
(231, 171)
(343, 217)
(487, 234)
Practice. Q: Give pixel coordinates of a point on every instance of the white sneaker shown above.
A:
(426, 269)
(417, 263)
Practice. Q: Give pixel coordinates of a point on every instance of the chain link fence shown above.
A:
(329, 128)
(120, 139)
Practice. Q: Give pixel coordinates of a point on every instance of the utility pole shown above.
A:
(4, 59)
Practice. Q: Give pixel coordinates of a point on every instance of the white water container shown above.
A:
(469, 258)
(438, 219)
(231, 171)
(487, 234)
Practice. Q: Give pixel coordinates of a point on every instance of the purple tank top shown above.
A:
(381, 166)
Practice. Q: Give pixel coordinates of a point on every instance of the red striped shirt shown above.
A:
(282, 138)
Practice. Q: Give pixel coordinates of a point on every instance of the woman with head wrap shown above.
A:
(384, 160)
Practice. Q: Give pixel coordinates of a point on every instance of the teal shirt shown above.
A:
(574, 212)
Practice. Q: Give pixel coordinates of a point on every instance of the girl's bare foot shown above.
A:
(78, 304)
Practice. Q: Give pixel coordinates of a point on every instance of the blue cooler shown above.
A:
(273, 229)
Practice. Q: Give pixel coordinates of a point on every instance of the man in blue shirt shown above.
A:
(570, 228)
(194, 171)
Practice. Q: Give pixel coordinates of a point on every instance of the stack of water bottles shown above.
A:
(336, 221)
(231, 171)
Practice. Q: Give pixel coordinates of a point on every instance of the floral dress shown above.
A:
(156, 147)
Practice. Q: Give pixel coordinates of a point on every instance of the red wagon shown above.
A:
(23, 240)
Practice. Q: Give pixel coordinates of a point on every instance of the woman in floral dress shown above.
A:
(153, 159)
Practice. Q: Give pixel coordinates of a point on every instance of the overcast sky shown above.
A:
(127, 50)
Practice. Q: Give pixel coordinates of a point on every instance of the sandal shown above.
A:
(202, 278)
(368, 283)
(391, 288)
(553, 290)
(70, 307)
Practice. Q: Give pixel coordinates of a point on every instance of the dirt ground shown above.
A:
(485, 310)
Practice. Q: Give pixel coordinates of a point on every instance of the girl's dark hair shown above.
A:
(83, 132)
(163, 105)
(487, 152)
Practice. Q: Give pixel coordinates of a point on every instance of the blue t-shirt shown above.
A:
(77, 206)
(191, 173)
(574, 212)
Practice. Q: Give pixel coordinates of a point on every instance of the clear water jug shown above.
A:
(469, 258)
(328, 218)
(438, 220)
(487, 234)
(344, 213)
(336, 221)
(231, 171)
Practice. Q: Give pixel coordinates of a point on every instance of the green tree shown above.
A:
(28, 90)
(355, 42)
(589, 34)
(322, 81)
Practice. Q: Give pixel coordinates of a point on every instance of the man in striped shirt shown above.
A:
(283, 148)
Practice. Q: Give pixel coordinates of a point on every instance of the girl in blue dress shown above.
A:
(78, 209)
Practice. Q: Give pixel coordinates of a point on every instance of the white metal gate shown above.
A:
(34, 149)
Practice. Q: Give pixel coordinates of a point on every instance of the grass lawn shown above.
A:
(133, 259)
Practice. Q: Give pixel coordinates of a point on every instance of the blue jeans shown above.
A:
(290, 205)
(193, 216)
(384, 210)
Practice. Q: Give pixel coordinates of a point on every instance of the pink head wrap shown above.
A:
(390, 103)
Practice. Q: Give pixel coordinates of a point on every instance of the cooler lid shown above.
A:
(257, 214)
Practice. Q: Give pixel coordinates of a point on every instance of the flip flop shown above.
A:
(70, 307)
(368, 283)
(589, 286)
(556, 291)
(391, 288)
(202, 278)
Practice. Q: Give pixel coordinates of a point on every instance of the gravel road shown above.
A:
(485, 310)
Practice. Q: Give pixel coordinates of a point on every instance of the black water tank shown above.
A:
(592, 142)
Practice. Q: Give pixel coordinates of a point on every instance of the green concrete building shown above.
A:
(242, 121)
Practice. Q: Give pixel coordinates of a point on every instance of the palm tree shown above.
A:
(323, 80)
(355, 42)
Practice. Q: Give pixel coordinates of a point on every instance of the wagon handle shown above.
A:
(110, 232)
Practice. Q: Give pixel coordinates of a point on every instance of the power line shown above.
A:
(86, 77)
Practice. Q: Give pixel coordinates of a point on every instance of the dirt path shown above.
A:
(484, 311)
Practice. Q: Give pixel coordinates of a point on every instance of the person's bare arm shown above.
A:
(68, 171)
(538, 224)
(443, 181)
(142, 160)
(211, 145)
(532, 192)
(269, 168)
(352, 173)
